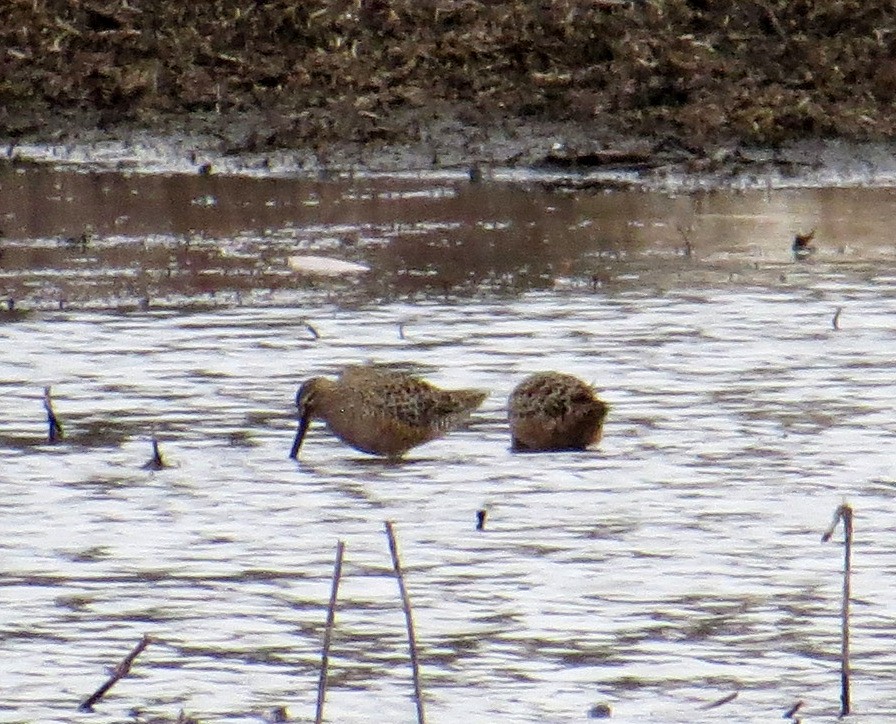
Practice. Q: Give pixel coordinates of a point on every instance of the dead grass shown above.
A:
(365, 70)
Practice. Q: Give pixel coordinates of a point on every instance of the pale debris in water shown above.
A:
(324, 266)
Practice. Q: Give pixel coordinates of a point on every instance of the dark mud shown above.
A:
(643, 88)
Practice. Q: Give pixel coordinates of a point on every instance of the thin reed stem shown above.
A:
(328, 634)
(835, 322)
(844, 513)
(409, 619)
(119, 673)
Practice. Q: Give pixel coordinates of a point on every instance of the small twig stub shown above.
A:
(54, 432)
(720, 702)
(120, 672)
(789, 714)
(156, 462)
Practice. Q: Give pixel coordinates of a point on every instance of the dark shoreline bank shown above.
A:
(630, 91)
(553, 156)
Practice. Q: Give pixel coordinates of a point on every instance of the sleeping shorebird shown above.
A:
(382, 412)
(554, 411)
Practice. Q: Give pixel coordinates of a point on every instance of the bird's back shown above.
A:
(554, 411)
(387, 413)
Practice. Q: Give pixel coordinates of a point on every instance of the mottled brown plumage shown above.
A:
(554, 411)
(382, 412)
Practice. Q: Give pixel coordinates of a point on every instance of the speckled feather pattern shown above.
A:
(409, 400)
(384, 412)
(554, 411)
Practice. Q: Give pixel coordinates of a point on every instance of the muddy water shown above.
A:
(678, 563)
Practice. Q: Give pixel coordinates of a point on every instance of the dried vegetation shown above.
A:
(320, 71)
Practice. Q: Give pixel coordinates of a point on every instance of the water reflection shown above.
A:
(677, 563)
(213, 241)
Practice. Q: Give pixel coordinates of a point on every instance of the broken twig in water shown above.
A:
(835, 322)
(54, 433)
(328, 633)
(685, 233)
(156, 462)
(720, 702)
(844, 513)
(406, 604)
(480, 519)
(119, 673)
(314, 333)
(789, 714)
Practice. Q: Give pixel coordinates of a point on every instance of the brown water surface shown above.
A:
(678, 562)
(179, 239)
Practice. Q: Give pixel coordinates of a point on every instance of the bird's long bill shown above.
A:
(300, 436)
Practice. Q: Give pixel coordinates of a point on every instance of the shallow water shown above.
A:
(677, 563)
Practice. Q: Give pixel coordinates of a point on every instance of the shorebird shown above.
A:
(554, 411)
(381, 412)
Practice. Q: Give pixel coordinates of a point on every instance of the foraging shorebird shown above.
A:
(381, 412)
(554, 411)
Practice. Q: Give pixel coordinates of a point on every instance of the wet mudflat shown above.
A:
(677, 563)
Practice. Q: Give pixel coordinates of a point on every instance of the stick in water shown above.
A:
(835, 322)
(119, 673)
(791, 712)
(156, 462)
(328, 633)
(844, 513)
(720, 702)
(406, 604)
(55, 429)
